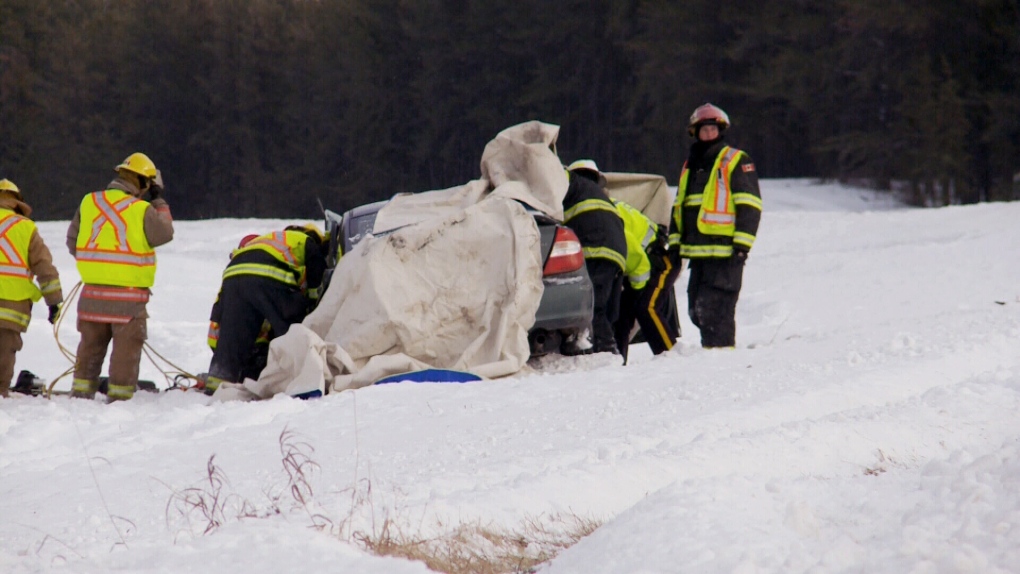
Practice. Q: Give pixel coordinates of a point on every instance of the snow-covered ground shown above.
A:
(869, 421)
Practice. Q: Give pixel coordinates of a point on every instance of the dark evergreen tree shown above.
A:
(271, 107)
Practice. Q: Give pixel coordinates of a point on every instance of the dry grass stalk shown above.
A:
(208, 505)
(480, 549)
(298, 464)
(472, 548)
(211, 504)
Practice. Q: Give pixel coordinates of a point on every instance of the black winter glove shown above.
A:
(54, 313)
(659, 245)
(740, 255)
(156, 188)
(657, 261)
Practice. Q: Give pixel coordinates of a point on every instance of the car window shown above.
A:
(360, 227)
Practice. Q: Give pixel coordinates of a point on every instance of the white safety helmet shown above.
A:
(589, 165)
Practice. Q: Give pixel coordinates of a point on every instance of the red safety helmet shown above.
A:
(243, 242)
(246, 240)
(705, 114)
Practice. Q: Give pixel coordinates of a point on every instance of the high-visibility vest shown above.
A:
(15, 276)
(640, 232)
(287, 246)
(111, 248)
(717, 213)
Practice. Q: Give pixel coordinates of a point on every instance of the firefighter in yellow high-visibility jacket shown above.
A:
(646, 246)
(113, 237)
(23, 256)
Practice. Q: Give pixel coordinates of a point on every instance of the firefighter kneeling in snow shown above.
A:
(113, 237)
(22, 256)
(275, 278)
(259, 352)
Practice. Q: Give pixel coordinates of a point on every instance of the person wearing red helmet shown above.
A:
(715, 221)
(259, 354)
(274, 278)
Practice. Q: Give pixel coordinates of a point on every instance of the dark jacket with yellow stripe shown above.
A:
(306, 274)
(593, 217)
(746, 197)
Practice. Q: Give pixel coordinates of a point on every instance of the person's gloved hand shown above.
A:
(740, 255)
(659, 245)
(156, 188)
(54, 313)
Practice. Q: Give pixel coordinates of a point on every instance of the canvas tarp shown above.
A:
(647, 193)
(450, 279)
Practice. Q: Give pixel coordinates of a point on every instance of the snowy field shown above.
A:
(869, 421)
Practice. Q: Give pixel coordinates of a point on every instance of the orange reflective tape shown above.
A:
(105, 318)
(131, 294)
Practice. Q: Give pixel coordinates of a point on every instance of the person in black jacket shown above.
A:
(259, 354)
(273, 278)
(715, 222)
(593, 217)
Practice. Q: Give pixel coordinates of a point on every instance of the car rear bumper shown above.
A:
(567, 303)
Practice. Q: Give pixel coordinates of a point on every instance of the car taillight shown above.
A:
(566, 253)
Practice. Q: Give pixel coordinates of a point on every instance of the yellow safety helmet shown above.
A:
(311, 229)
(140, 164)
(8, 185)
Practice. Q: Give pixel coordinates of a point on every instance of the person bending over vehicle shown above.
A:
(259, 353)
(644, 300)
(593, 217)
(274, 278)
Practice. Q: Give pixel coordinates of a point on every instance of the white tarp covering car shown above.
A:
(455, 286)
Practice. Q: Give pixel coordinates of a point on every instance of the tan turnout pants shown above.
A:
(10, 344)
(128, 339)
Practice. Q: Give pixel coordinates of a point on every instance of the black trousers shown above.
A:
(653, 307)
(246, 301)
(607, 281)
(712, 294)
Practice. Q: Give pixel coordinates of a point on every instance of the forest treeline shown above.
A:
(265, 108)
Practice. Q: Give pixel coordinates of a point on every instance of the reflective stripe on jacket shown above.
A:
(287, 247)
(588, 211)
(15, 276)
(111, 247)
(213, 336)
(717, 208)
(640, 232)
(594, 206)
